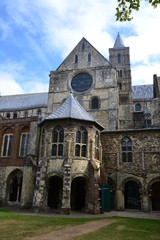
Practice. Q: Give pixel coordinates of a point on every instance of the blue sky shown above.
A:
(36, 36)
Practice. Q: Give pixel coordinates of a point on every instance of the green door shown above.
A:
(105, 198)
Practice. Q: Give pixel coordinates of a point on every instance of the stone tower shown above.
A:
(120, 58)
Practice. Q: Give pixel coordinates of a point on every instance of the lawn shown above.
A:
(127, 229)
(18, 226)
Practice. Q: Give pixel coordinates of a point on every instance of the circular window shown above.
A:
(81, 82)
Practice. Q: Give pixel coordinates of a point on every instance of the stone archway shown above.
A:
(155, 196)
(132, 195)
(55, 185)
(78, 193)
(14, 186)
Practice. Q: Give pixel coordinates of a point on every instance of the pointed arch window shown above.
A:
(126, 149)
(81, 143)
(97, 146)
(24, 144)
(7, 145)
(57, 141)
(83, 46)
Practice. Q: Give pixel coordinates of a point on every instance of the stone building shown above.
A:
(90, 144)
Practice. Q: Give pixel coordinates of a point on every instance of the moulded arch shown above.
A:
(128, 179)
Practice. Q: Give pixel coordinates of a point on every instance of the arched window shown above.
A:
(81, 143)
(119, 58)
(89, 57)
(126, 149)
(7, 145)
(138, 107)
(120, 73)
(97, 146)
(15, 115)
(26, 114)
(57, 141)
(95, 103)
(8, 115)
(39, 113)
(76, 59)
(24, 144)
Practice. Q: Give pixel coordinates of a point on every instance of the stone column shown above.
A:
(145, 202)
(119, 199)
(66, 197)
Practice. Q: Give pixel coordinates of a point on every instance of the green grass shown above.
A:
(18, 226)
(127, 229)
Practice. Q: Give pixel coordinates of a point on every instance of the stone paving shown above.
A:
(74, 214)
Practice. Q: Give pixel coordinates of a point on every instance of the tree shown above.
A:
(125, 8)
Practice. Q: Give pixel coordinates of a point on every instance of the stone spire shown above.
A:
(119, 43)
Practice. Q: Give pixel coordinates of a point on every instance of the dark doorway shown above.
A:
(78, 194)
(132, 196)
(15, 186)
(112, 193)
(55, 192)
(155, 196)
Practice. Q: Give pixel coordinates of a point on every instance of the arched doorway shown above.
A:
(78, 193)
(132, 195)
(14, 183)
(55, 192)
(155, 196)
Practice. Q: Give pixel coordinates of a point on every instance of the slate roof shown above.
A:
(25, 101)
(119, 42)
(142, 91)
(71, 108)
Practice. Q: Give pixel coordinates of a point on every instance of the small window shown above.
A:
(8, 115)
(89, 57)
(138, 107)
(126, 149)
(83, 46)
(57, 141)
(120, 86)
(81, 143)
(24, 144)
(7, 145)
(95, 103)
(120, 73)
(26, 114)
(119, 58)
(15, 115)
(76, 59)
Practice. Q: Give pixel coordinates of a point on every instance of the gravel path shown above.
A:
(69, 233)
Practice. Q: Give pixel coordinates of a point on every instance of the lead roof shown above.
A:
(25, 101)
(72, 109)
(119, 42)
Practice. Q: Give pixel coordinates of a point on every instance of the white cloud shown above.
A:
(8, 85)
(55, 27)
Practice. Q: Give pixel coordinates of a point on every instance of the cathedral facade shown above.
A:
(92, 143)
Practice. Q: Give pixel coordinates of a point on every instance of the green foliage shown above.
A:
(125, 8)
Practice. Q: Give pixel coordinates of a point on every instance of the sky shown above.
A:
(36, 36)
